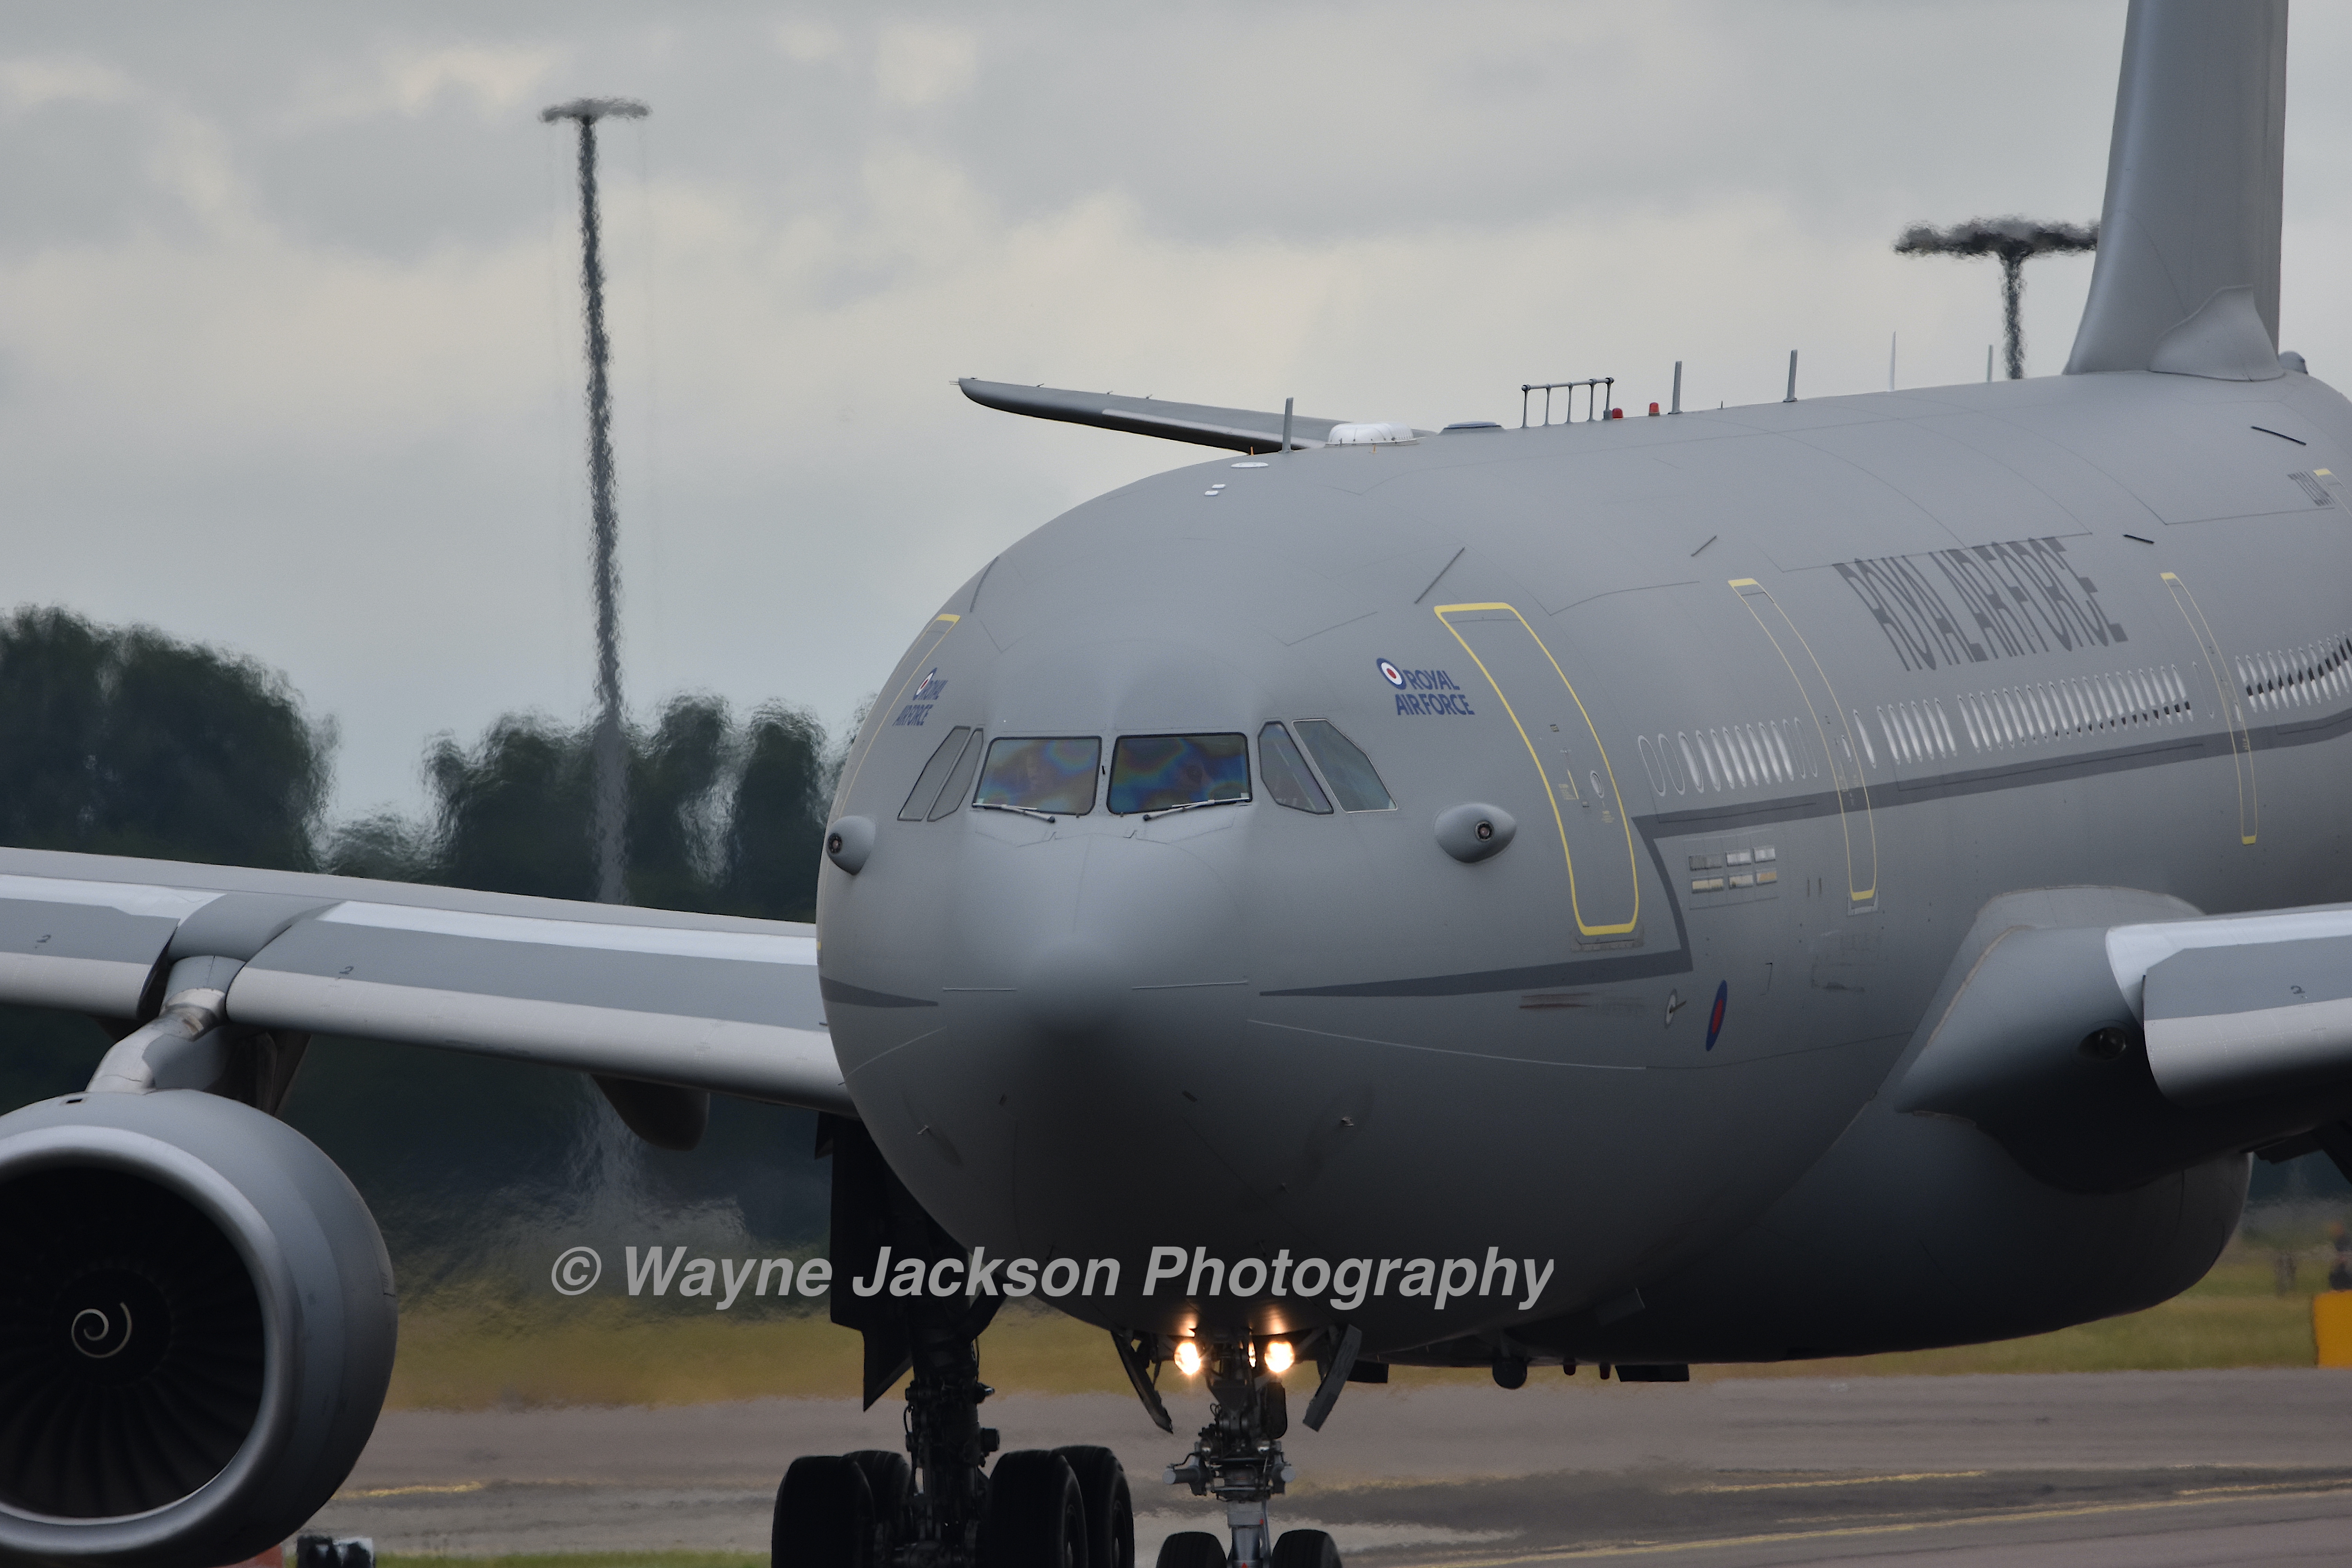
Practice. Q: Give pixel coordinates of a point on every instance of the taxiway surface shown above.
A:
(2155, 1469)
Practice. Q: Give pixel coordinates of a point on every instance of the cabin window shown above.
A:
(1286, 773)
(1344, 764)
(1168, 773)
(1049, 777)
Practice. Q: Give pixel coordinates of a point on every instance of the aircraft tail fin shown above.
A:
(2187, 276)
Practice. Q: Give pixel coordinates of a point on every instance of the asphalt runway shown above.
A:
(2151, 1470)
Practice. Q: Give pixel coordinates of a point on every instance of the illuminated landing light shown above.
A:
(1188, 1357)
(1277, 1356)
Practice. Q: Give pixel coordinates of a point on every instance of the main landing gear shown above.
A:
(1050, 1507)
(1040, 1508)
(941, 1505)
(935, 1506)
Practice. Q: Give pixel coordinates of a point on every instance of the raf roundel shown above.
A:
(1392, 675)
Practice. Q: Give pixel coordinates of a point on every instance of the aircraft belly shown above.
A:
(1285, 1136)
(1914, 1233)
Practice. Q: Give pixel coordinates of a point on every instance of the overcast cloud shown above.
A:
(288, 298)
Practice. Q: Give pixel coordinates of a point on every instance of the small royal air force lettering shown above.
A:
(1426, 691)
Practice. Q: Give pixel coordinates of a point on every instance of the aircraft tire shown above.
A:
(1109, 1506)
(1035, 1518)
(1305, 1548)
(825, 1515)
(1191, 1549)
(887, 1477)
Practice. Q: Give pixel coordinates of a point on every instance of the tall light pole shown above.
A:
(2013, 239)
(608, 751)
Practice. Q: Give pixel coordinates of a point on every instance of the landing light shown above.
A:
(1188, 1357)
(1277, 1356)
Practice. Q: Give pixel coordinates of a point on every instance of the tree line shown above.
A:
(123, 741)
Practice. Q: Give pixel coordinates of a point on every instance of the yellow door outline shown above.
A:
(2233, 711)
(878, 716)
(1551, 793)
(1845, 768)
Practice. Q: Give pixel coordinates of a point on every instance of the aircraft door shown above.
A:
(1833, 733)
(2229, 700)
(1588, 815)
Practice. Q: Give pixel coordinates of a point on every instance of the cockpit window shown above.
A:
(1286, 773)
(1346, 766)
(933, 796)
(959, 784)
(1054, 776)
(1168, 773)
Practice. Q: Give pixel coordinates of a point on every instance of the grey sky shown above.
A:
(289, 312)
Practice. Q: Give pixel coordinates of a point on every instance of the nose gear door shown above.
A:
(1596, 841)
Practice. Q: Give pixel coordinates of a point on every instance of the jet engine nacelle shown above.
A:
(196, 1328)
(2032, 1041)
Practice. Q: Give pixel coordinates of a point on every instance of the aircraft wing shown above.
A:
(2242, 1004)
(701, 1002)
(1237, 430)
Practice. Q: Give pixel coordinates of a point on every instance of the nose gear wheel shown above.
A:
(1237, 1458)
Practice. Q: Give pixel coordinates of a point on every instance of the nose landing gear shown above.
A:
(1237, 1458)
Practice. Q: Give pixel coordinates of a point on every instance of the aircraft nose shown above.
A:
(1086, 974)
(1088, 931)
(1070, 989)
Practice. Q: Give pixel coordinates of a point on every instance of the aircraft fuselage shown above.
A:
(1774, 700)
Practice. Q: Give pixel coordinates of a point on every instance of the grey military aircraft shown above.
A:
(1825, 878)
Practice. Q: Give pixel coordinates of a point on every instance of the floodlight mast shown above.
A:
(2013, 239)
(608, 752)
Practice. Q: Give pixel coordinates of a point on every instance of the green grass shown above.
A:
(463, 1355)
(467, 1351)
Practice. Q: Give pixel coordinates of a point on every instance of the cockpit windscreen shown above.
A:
(1167, 772)
(1050, 775)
